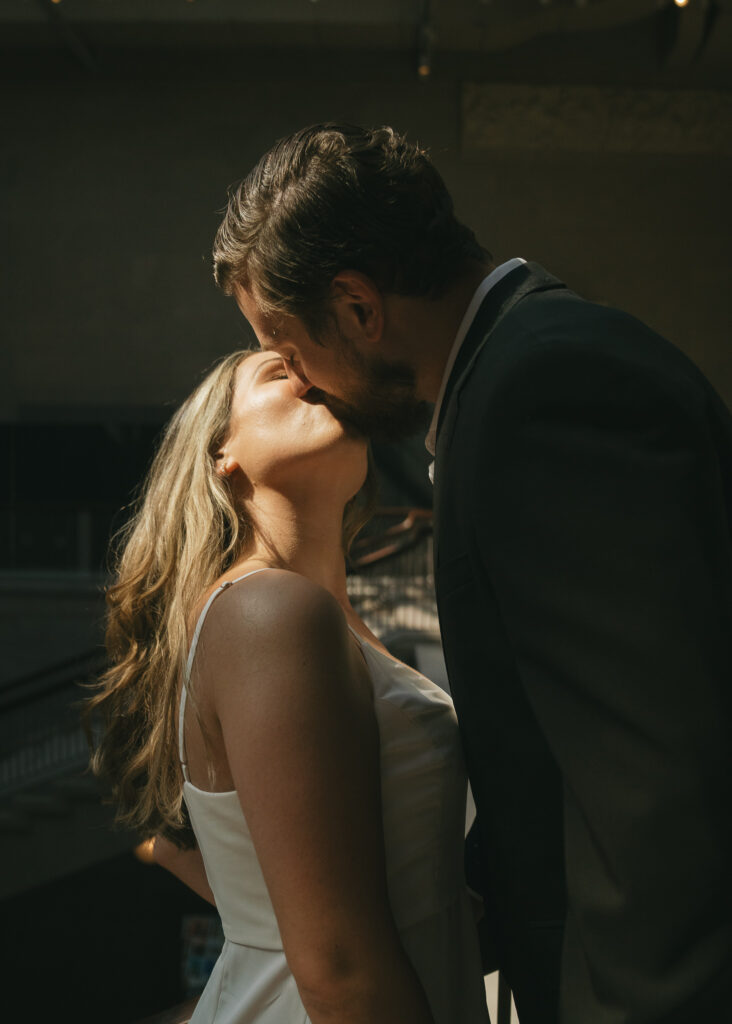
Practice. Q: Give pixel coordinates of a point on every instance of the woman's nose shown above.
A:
(298, 381)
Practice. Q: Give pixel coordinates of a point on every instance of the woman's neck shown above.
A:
(304, 538)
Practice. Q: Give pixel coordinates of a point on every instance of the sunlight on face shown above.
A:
(276, 436)
(376, 397)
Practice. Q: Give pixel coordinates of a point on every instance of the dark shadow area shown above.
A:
(61, 518)
(111, 943)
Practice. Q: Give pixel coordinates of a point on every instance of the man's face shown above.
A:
(359, 387)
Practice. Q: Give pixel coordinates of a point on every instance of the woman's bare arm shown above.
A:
(295, 706)
(187, 865)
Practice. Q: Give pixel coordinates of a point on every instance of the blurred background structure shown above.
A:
(594, 136)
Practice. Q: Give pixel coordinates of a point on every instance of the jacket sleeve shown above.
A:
(601, 523)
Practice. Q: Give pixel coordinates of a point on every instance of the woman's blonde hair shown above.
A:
(185, 532)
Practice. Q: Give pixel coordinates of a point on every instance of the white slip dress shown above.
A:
(423, 790)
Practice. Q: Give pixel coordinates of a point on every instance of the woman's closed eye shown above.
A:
(291, 362)
(272, 369)
(278, 369)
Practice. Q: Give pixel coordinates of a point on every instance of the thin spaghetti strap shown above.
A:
(181, 740)
(189, 663)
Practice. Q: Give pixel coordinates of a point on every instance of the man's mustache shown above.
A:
(377, 418)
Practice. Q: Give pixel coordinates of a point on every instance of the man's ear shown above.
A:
(359, 305)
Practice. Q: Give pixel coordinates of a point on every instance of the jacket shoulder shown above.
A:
(560, 337)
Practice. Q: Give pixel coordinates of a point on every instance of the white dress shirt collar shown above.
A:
(481, 291)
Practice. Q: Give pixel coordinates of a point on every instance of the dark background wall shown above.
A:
(113, 180)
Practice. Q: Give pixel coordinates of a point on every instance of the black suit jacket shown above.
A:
(583, 500)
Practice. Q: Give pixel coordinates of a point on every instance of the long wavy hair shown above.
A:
(186, 531)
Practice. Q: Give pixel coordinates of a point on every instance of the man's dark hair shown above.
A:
(337, 197)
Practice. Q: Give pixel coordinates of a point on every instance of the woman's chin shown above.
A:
(349, 429)
(345, 415)
(343, 428)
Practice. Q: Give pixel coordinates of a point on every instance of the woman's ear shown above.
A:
(225, 464)
(359, 306)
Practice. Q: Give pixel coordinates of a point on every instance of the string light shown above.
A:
(681, 3)
(425, 41)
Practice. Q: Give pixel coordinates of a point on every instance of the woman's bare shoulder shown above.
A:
(272, 598)
(278, 618)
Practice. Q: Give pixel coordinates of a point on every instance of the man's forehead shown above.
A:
(268, 325)
(270, 334)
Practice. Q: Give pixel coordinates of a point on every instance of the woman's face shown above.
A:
(280, 440)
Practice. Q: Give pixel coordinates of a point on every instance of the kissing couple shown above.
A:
(583, 565)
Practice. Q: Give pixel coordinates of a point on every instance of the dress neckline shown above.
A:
(384, 654)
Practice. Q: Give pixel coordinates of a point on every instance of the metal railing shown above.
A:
(41, 736)
(391, 582)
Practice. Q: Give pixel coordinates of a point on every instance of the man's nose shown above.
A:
(298, 381)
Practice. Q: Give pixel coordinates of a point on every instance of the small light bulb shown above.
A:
(681, 3)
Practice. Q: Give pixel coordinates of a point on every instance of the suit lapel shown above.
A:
(530, 277)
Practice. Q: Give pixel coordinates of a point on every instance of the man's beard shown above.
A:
(383, 405)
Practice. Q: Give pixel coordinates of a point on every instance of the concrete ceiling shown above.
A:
(699, 34)
(457, 24)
